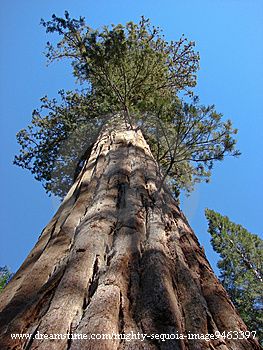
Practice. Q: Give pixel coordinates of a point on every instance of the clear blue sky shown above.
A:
(229, 37)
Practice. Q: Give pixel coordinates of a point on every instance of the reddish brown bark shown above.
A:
(118, 256)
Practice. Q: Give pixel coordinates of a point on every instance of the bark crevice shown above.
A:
(94, 280)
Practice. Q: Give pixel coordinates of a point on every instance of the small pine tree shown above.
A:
(5, 276)
(240, 266)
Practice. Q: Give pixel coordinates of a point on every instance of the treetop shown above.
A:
(130, 69)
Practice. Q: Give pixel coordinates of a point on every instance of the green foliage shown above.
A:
(130, 70)
(186, 139)
(5, 276)
(241, 267)
(130, 65)
(53, 145)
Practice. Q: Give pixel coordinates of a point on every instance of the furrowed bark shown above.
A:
(118, 257)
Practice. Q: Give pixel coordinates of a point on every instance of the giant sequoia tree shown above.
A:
(119, 255)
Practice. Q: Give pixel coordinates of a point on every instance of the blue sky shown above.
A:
(229, 37)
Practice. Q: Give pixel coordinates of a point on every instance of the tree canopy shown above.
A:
(240, 266)
(131, 70)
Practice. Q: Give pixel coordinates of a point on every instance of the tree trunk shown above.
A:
(118, 257)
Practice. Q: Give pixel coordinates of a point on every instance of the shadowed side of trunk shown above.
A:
(118, 257)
